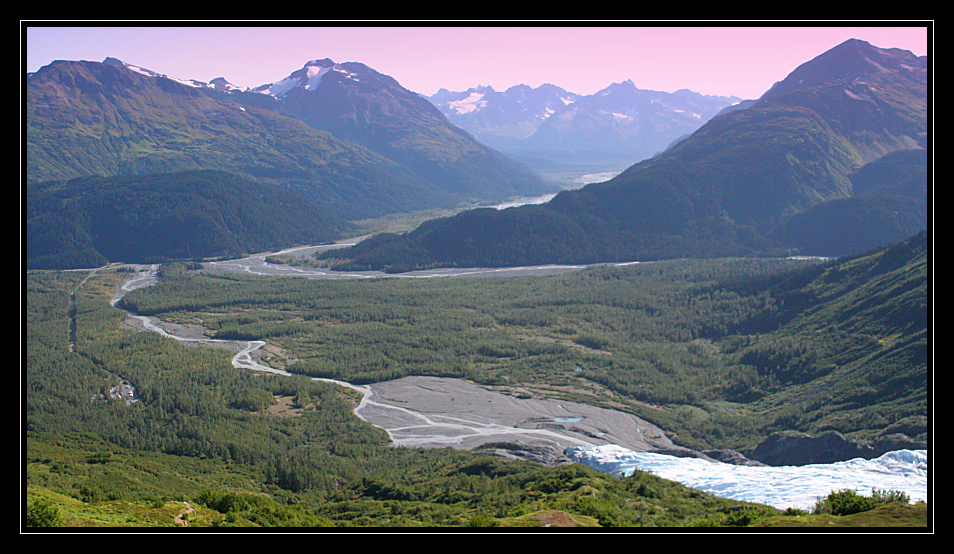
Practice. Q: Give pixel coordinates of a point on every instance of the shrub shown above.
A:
(846, 501)
(42, 513)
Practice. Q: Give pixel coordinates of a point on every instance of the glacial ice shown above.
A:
(781, 487)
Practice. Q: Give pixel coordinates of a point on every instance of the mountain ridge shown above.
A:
(108, 119)
(548, 126)
(88, 118)
(91, 221)
(719, 192)
(354, 102)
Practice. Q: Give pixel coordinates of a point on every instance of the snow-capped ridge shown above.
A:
(219, 83)
(307, 78)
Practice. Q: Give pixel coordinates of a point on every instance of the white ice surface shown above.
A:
(781, 487)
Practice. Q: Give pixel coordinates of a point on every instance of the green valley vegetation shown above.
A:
(209, 435)
(720, 353)
(754, 353)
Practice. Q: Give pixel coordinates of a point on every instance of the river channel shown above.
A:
(441, 412)
(420, 411)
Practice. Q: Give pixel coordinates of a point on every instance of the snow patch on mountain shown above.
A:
(308, 77)
(150, 73)
(693, 115)
(219, 83)
(467, 105)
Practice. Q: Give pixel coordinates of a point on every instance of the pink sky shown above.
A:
(721, 60)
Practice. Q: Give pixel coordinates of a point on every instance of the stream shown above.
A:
(437, 412)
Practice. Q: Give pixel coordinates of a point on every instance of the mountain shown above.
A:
(90, 221)
(109, 119)
(358, 104)
(502, 119)
(548, 126)
(623, 118)
(728, 189)
(342, 136)
(887, 205)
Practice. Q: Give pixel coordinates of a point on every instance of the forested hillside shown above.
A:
(88, 222)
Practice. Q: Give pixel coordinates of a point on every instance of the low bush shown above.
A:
(847, 501)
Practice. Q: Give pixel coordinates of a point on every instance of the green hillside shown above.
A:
(96, 119)
(845, 346)
(886, 206)
(88, 222)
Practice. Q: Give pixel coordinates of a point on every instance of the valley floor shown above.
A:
(435, 412)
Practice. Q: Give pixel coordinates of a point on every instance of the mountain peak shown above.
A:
(627, 85)
(324, 62)
(221, 83)
(311, 74)
(850, 60)
(308, 77)
(141, 70)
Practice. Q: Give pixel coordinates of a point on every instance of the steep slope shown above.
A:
(846, 348)
(887, 205)
(90, 221)
(721, 191)
(358, 104)
(104, 119)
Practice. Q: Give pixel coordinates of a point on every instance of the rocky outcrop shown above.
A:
(546, 454)
(781, 449)
(731, 457)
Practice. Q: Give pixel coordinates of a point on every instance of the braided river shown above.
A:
(441, 412)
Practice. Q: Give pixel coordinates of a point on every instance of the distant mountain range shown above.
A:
(347, 141)
(502, 118)
(792, 173)
(551, 129)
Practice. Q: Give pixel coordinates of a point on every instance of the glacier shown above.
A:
(781, 487)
